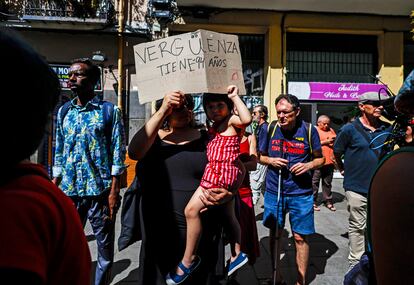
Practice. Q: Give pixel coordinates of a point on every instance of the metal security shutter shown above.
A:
(331, 57)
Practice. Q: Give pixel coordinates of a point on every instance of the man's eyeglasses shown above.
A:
(284, 113)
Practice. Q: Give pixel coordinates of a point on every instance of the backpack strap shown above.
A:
(108, 119)
(308, 128)
(64, 111)
(359, 128)
(271, 130)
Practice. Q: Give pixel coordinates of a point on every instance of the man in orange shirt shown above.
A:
(327, 136)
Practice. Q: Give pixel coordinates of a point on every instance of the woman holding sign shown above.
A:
(172, 158)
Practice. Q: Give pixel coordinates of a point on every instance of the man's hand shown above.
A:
(113, 200)
(301, 168)
(113, 197)
(278, 162)
(215, 196)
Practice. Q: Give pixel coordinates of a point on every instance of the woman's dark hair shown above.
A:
(188, 103)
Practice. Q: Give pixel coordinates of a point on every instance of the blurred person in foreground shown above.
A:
(42, 240)
(391, 203)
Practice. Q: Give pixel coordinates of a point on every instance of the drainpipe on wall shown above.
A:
(283, 33)
(121, 29)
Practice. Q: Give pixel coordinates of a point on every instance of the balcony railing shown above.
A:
(98, 11)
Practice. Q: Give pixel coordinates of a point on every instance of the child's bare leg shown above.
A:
(234, 229)
(192, 215)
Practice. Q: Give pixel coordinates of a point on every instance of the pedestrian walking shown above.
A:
(327, 136)
(89, 159)
(289, 181)
(258, 176)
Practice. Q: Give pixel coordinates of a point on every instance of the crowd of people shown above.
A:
(198, 187)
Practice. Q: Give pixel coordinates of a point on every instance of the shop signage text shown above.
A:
(333, 91)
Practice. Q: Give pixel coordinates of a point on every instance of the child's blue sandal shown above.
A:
(173, 278)
(240, 260)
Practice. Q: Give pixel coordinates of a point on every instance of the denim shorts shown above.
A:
(299, 207)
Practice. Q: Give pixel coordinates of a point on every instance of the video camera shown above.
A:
(399, 109)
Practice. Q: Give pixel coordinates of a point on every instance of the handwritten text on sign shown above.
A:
(196, 62)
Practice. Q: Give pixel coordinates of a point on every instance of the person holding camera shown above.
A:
(354, 143)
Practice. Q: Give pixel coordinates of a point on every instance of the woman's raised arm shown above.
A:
(145, 137)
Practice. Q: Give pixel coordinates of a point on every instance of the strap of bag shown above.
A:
(359, 128)
(308, 129)
(273, 126)
(271, 131)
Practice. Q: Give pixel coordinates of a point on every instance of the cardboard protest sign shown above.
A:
(196, 62)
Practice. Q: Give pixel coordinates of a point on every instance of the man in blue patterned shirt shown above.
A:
(89, 162)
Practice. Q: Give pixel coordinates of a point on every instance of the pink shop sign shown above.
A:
(333, 91)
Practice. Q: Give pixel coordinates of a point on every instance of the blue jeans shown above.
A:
(299, 207)
(96, 210)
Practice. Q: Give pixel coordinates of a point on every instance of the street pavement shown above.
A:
(328, 250)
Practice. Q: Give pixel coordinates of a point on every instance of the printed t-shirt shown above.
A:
(295, 149)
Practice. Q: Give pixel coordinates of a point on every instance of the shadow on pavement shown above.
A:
(132, 276)
(321, 249)
(117, 268)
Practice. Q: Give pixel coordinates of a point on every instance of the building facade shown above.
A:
(336, 48)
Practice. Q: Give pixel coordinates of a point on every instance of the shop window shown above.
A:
(331, 58)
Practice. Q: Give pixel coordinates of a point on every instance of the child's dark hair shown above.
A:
(212, 97)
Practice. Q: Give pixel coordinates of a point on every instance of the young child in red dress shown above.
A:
(224, 170)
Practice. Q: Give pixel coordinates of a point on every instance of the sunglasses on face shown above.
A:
(373, 103)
